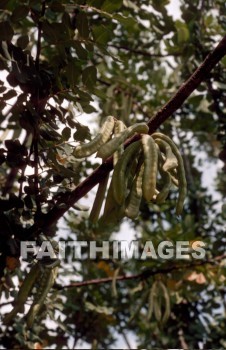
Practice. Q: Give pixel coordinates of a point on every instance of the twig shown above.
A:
(36, 173)
(160, 117)
(189, 86)
(143, 275)
(183, 343)
(39, 35)
(126, 339)
(144, 53)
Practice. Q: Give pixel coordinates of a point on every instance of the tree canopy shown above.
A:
(66, 66)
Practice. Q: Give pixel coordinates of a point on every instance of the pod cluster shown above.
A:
(148, 169)
(43, 277)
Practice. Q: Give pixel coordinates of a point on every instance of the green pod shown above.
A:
(171, 160)
(119, 127)
(181, 172)
(120, 174)
(113, 213)
(150, 152)
(135, 196)
(166, 296)
(109, 202)
(23, 293)
(111, 146)
(99, 198)
(102, 137)
(151, 300)
(174, 179)
(163, 194)
(46, 282)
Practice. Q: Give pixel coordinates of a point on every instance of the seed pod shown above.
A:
(152, 300)
(102, 137)
(113, 213)
(119, 127)
(174, 178)
(181, 172)
(139, 307)
(120, 174)
(166, 314)
(111, 146)
(135, 196)
(150, 152)
(163, 194)
(95, 212)
(46, 282)
(23, 293)
(171, 160)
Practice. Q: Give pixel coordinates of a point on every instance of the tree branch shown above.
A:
(160, 117)
(189, 86)
(145, 274)
(40, 35)
(144, 53)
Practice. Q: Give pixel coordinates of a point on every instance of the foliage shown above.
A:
(61, 61)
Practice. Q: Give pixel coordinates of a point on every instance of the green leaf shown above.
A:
(23, 41)
(80, 51)
(82, 133)
(87, 108)
(183, 33)
(159, 5)
(82, 24)
(19, 13)
(73, 73)
(55, 33)
(111, 6)
(89, 76)
(6, 31)
(2, 89)
(66, 133)
(9, 94)
(126, 21)
(101, 34)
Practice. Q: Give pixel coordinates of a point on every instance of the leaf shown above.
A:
(49, 33)
(66, 133)
(9, 94)
(80, 51)
(6, 31)
(159, 5)
(82, 25)
(89, 76)
(102, 35)
(111, 6)
(55, 33)
(183, 33)
(73, 72)
(87, 108)
(19, 13)
(2, 89)
(126, 21)
(23, 41)
(82, 133)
